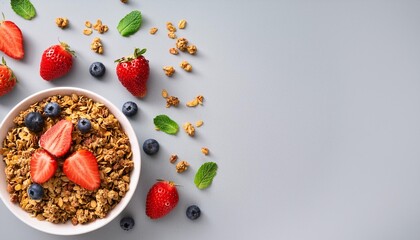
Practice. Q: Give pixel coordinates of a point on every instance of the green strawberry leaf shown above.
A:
(165, 124)
(205, 174)
(23, 8)
(130, 24)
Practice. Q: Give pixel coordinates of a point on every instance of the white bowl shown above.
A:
(68, 228)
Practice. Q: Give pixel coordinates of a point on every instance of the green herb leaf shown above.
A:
(23, 8)
(130, 24)
(205, 174)
(165, 124)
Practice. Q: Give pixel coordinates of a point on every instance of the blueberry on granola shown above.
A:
(150, 146)
(34, 121)
(97, 69)
(84, 125)
(129, 108)
(127, 223)
(52, 109)
(193, 212)
(35, 191)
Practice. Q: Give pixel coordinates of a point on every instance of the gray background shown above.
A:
(311, 112)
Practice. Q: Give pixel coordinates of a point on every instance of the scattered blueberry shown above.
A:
(129, 109)
(97, 69)
(34, 121)
(52, 109)
(35, 191)
(83, 125)
(193, 212)
(127, 223)
(150, 146)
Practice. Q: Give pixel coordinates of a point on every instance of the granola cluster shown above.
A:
(63, 200)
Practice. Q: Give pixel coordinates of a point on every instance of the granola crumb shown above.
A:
(173, 158)
(197, 100)
(88, 24)
(98, 24)
(173, 51)
(199, 123)
(171, 35)
(192, 49)
(103, 29)
(186, 66)
(165, 93)
(205, 151)
(170, 27)
(87, 31)
(62, 22)
(153, 30)
(182, 24)
(169, 70)
(189, 129)
(172, 101)
(97, 46)
(200, 99)
(181, 44)
(182, 166)
(124, 1)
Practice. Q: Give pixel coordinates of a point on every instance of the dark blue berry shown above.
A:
(34, 121)
(150, 146)
(193, 212)
(97, 69)
(35, 191)
(127, 223)
(83, 125)
(52, 109)
(129, 109)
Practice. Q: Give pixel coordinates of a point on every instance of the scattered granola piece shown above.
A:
(153, 30)
(182, 24)
(173, 158)
(170, 27)
(199, 123)
(200, 99)
(192, 103)
(103, 29)
(62, 22)
(182, 166)
(189, 129)
(87, 31)
(171, 35)
(88, 24)
(164, 93)
(205, 150)
(169, 70)
(97, 25)
(124, 1)
(186, 66)
(97, 46)
(181, 44)
(173, 51)
(192, 49)
(172, 101)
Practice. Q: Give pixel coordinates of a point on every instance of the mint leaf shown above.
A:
(130, 24)
(205, 174)
(165, 124)
(23, 8)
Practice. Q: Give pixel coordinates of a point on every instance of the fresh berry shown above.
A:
(42, 166)
(56, 61)
(150, 146)
(52, 109)
(161, 199)
(83, 125)
(34, 121)
(193, 212)
(7, 78)
(130, 109)
(133, 73)
(11, 41)
(82, 168)
(97, 69)
(127, 223)
(57, 139)
(35, 191)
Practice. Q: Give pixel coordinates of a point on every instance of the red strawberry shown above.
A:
(161, 199)
(43, 166)
(11, 41)
(133, 73)
(57, 139)
(7, 78)
(81, 168)
(56, 61)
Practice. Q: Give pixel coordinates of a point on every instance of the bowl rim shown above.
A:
(62, 229)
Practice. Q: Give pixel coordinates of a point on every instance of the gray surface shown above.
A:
(311, 112)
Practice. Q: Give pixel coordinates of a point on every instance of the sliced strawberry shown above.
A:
(82, 168)
(57, 139)
(43, 166)
(11, 40)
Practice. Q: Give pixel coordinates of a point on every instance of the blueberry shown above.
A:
(52, 109)
(83, 125)
(129, 109)
(150, 146)
(193, 212)
(97, 69)
(34, 121)
(127, 223)
(35, 191)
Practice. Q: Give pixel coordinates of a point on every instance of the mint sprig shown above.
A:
(205, 174)
(166, 124)
(23, 8)
(130, 24)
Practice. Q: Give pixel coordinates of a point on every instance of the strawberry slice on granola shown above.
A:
(82, 168)
(57, 139)
(42, 166)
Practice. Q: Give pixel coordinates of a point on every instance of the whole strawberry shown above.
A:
(7, 78)
(161, 199)
(56, 61)
(133, 73)
(11, 39)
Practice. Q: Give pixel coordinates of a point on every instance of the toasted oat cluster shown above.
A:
(63, 200)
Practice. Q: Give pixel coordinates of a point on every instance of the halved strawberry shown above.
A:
(11, 40)
(43, 166)
(57, 139)
(82, 168)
